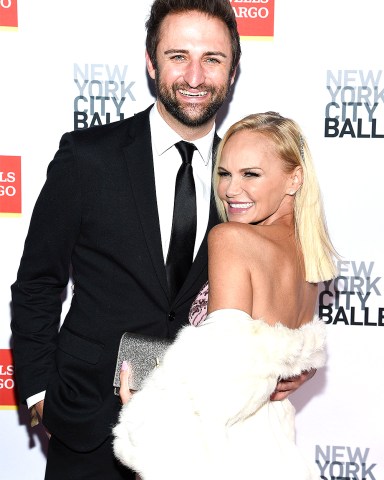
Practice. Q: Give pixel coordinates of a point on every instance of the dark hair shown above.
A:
(220, 9)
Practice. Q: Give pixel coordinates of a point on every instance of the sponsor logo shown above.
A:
(10, 185)
(345, 463)
(8, 15)
(104, 94)
(8, 398)
(255, 18)
(345, 300)
(355, 105)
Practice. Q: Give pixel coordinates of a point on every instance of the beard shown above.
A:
(193, 114)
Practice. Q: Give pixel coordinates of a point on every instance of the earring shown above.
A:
(292, 192)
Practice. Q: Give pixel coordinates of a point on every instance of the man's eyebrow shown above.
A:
(221, 54)
(180, 50)
(175, 50)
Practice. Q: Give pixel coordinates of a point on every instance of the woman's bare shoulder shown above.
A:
(247, 239)
(234, 233)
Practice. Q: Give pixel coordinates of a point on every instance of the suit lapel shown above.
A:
(139, 158)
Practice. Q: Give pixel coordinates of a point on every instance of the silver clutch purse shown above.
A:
(143, 352)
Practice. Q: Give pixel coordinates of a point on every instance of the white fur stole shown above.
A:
(212, 377)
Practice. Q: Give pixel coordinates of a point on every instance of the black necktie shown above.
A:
(183, 234)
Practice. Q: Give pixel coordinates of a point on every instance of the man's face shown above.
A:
(193, 68)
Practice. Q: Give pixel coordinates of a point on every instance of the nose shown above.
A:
(194, 74)
(233, 188)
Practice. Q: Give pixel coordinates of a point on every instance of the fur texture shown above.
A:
(199, 412)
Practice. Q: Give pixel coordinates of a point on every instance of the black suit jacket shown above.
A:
(97, 212)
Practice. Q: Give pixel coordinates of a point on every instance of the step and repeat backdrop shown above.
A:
(74, 64)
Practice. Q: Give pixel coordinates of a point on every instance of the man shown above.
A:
(106, 208)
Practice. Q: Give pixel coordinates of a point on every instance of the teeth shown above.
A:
(241, 205)
(189, 94)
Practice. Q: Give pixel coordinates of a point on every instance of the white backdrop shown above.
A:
(324, 68)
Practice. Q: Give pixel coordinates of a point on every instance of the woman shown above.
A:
(205, 412)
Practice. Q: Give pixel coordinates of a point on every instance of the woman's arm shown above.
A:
(228, 270)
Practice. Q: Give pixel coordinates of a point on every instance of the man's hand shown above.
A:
(39, 409)
(37, 415)
(285, 387)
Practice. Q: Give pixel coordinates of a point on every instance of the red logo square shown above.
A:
(8, 13)
(254, 19)
(10, 184)
(8, 398)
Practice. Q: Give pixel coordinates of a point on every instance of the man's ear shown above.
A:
(233, 76)
(150, 67)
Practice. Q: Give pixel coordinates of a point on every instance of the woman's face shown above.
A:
(252, 185)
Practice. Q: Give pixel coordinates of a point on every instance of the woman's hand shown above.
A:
(125, 380)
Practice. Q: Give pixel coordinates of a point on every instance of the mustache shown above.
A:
(200, 88)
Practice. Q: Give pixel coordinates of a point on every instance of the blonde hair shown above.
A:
(310, 224)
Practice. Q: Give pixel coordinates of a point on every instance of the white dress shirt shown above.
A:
(166, 162)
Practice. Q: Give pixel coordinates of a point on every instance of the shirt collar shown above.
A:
(164, 137)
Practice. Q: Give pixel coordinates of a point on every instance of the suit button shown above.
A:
(171, 316)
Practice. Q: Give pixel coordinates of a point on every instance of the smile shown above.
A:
(189, 94)
(241, 205)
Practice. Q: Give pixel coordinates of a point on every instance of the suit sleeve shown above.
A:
(44, 272)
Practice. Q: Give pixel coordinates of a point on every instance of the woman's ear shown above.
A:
(295, 180)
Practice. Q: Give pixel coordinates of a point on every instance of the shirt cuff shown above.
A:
(31, 401)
